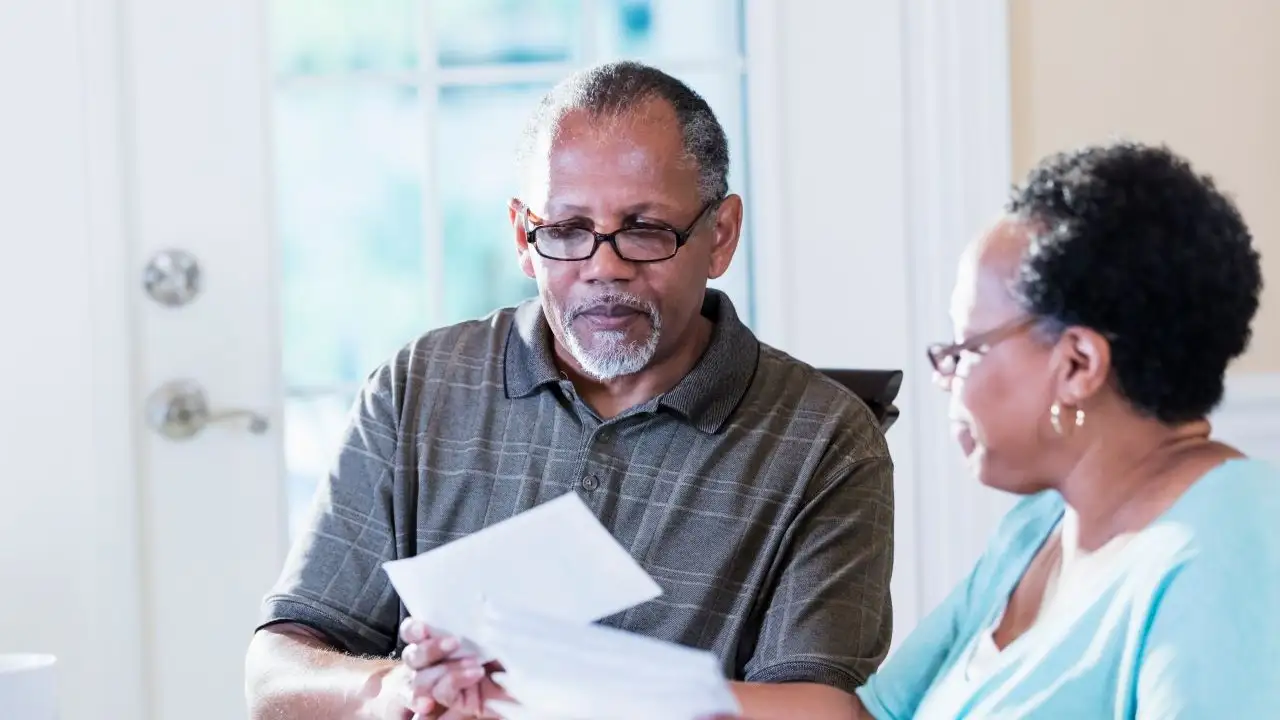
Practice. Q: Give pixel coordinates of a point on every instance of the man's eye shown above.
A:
(560, 232)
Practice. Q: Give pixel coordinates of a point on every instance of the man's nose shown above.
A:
(606, 265)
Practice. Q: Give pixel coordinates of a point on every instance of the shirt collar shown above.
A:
(706, 396)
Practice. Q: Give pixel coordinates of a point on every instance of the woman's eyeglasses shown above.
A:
(945, 357)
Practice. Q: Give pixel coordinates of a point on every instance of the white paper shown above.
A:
(556, 558)
(567, 671)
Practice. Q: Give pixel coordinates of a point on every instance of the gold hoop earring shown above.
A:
(1055, 418)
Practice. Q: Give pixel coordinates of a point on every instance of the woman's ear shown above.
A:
(1085, 357)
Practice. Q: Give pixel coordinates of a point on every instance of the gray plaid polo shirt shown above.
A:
(756, 492)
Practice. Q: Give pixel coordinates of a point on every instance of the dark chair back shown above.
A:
(877, 388)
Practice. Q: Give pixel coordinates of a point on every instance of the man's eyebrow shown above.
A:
(573, 212)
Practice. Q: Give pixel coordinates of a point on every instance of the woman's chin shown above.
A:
(997, 478)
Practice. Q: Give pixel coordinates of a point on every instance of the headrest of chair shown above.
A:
(877, 388)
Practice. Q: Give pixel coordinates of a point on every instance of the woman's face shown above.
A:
(1001, 389)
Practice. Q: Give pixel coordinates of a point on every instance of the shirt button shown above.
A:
(590, 483)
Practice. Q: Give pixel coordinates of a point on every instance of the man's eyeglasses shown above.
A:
(640, 243)
(945, 358)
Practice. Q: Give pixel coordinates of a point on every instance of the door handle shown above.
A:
(179, 409)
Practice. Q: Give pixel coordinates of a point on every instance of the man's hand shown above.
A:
(441, 680)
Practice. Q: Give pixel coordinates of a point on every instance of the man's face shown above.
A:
(613, 316)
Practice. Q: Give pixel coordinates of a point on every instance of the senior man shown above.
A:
(755, 491)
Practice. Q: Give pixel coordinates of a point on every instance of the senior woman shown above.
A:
(1139, 575)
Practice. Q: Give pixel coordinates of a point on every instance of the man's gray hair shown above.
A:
(612, 91)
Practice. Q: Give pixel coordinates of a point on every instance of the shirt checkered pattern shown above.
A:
(756, 492)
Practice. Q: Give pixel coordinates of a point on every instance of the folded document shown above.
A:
(555, 558)
(527, 591)
(566, 671)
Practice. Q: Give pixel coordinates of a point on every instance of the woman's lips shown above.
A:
(964, 436)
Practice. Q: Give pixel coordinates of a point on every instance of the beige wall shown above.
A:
(1200, 75)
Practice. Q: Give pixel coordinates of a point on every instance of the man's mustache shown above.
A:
(612, 300)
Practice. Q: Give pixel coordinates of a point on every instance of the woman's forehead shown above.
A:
(983, 291)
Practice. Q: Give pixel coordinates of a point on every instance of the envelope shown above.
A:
(556, 558)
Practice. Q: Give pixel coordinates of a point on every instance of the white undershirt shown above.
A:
(1065, 587)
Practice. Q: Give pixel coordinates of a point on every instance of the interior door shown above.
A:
(207, 342)
(314, 183)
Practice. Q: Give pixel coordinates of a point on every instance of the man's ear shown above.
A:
(727, 231)
(515, 213)
(1084, 358)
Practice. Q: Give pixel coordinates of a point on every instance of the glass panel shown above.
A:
(725, 93)
(484, 32)
(316, 37)
(662, 30)
(477, 133)
(348, 171)
(313, 429)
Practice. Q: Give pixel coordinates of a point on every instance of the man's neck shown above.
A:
(610, 398)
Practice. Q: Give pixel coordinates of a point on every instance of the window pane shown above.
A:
(477, 134)
(313, 428)
(480, 32)
(315, 37)
(662, 30)
(349, 197)
(725, 93)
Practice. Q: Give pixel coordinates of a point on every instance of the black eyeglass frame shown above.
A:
(531, 228)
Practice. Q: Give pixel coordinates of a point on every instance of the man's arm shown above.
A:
(766, 701)
(333, 605)
(828, 619)
(292, 672)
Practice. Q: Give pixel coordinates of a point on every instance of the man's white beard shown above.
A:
(612, 354)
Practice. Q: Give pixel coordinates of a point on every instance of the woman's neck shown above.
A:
(1127, 476)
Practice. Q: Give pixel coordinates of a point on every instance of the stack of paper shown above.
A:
(588, 672)
(526, 592)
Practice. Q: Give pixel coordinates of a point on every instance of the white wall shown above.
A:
(64, 585)
(830, 261)
(894, 143)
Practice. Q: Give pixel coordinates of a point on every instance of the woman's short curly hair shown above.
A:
(1131, 242)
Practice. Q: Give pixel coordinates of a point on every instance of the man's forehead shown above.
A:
(651, 114)
(617, 162)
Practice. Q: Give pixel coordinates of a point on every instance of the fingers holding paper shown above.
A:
(445, 675)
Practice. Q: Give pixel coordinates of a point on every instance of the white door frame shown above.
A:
(888, 123)
(119, 630)
(959, 157)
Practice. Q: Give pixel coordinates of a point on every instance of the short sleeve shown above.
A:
(333, 579)
(897, 689)
(1213, 644)
(829, 620)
